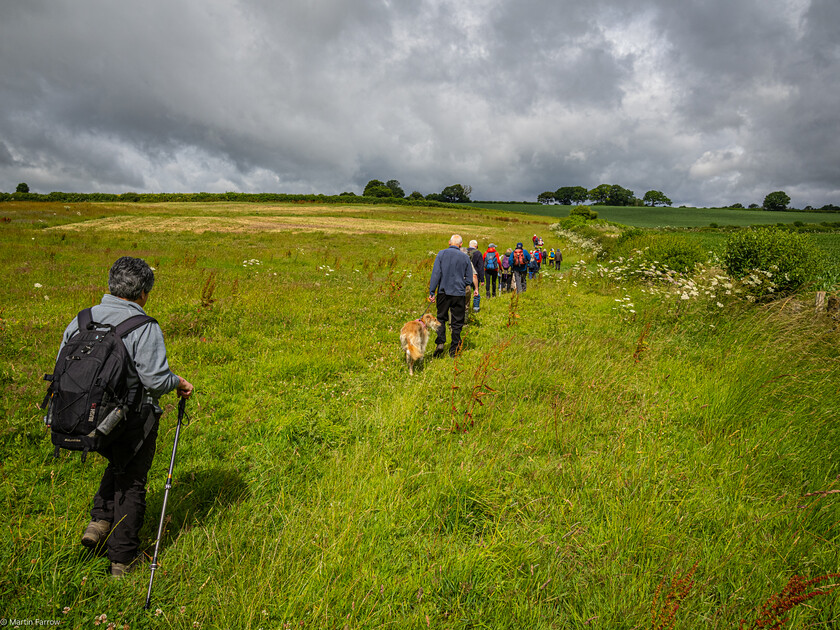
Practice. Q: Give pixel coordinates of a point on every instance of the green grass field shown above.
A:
(672, 217)
(598, 456)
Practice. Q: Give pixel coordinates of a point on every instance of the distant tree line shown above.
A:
(456, 193)
(779, 200)
(614, 195)
(378, 192)
(373, 195)
(604, 195)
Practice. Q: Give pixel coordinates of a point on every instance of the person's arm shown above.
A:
(152, 364)
(434, 282)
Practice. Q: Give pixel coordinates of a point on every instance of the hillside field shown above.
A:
(671, 217)
(600, 455)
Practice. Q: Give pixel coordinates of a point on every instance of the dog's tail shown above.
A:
(411, 350)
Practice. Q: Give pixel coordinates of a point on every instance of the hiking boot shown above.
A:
(118, 569)
(96, 533)
(439, 350)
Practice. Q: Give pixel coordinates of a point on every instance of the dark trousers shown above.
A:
(491, 276)
(456, 307)
(505, 282)
(121, 499)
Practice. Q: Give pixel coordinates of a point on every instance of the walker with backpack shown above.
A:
(89, 402)
(491, 261)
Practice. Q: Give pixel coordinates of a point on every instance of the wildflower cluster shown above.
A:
(760, 282)
(38, 285)
(251, 263)
(705, 284)
(578, 241)
(625, 308)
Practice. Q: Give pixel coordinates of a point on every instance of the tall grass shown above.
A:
(320, 486)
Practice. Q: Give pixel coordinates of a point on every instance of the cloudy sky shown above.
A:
(709, 101)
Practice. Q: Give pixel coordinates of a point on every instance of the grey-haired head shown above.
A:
(129, 278)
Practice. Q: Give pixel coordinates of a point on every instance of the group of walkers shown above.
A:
(142, 375)
(511, 269)
(454, 276)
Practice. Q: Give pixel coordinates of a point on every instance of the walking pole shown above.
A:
(181, 406)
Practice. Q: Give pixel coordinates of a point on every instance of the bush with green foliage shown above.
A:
(584, 212)
(672, 251)
(790, 259)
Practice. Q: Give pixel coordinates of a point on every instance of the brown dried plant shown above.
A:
(664, 615)
(393, 285)
(208, 289)
(190, 261)
(795, 592)
(641, 344)
(513, 307)
(480, 387)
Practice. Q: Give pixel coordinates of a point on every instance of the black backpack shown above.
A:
(88, 397)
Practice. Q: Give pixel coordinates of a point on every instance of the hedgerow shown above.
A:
(134, 197)
(789, 259)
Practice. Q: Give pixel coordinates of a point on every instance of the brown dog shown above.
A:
(414, 337)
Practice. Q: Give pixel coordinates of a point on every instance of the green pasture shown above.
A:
(671, 217)
(597, 457)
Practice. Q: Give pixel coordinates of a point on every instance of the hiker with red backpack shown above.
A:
(519, 260)
(492, 264)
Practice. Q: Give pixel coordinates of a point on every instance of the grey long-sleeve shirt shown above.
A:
(452, 272)
(144, 345)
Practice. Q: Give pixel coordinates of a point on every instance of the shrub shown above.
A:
(789, 259)
(585, 212)
(672, 251)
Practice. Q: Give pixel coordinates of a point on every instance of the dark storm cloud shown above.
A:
(711, 102)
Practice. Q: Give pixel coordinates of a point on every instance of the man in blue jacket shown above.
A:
(452, 273)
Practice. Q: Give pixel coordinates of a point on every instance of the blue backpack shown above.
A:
(492, 260)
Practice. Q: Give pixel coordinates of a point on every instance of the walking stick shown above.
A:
(181, 407)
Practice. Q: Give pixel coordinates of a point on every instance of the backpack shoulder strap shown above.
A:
(84, 318)
(133, 323)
